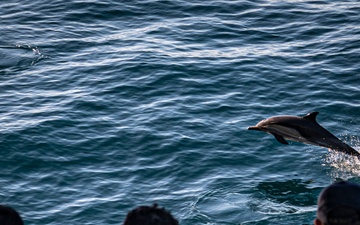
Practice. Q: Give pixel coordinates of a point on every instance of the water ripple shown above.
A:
(135, 102)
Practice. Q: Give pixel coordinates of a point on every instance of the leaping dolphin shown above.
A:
(302, 129)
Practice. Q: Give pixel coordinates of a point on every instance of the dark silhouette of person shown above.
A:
(150, 215)
(338, 204)
(9, 216)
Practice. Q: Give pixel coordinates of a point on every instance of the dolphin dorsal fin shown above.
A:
(311, 116)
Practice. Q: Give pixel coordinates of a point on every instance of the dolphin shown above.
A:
(302, 129)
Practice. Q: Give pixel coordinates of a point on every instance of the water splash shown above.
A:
(342, 166)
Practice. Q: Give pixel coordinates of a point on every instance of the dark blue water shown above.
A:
(108, 105)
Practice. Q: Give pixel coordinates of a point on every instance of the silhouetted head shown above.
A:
(150, 215)
(339, 204)
(8, 216)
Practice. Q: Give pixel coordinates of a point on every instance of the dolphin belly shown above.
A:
(286, 132)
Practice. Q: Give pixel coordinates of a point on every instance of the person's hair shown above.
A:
(339, 203)
(150, 215)
(8, 216)
(343, 215)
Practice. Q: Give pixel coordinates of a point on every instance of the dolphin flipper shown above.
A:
(280, 139)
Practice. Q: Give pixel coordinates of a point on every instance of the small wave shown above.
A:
(19, 56)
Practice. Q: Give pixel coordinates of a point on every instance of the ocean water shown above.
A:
(108, 105)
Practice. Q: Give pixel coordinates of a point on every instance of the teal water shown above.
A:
(106, 106)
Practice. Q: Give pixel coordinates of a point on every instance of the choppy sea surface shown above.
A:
(108, 105)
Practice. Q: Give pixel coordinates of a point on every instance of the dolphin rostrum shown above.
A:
(302, 129)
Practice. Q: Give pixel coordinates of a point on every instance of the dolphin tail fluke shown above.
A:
(348, 150)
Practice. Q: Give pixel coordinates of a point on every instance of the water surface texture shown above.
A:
(107, 105)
